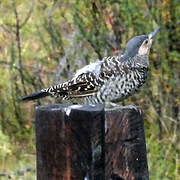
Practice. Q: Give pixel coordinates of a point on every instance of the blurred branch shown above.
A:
(9, 27)
(54, 7)
(79, 22)
(52, 33)
(4, 62)
(95, 15)
(28, 14)
(51, 29)
(117, 27)
(6, 28)
(151, 5)
(19, 46)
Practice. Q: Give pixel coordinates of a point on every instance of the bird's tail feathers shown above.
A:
(36, 95)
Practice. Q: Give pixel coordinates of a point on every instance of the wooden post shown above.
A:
(81, 142)
(70, 142)
(125, 145)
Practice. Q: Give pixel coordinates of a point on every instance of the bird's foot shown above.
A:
(110, 105)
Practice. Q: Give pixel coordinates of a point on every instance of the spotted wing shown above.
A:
(84, 85)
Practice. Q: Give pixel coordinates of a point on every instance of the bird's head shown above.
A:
(140, 44)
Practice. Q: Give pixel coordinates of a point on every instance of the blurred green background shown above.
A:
(44, 42)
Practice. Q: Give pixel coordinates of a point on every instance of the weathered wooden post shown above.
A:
(81, 142)
(125, 145)
(70, 142)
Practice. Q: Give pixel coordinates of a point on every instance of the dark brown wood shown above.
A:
(81, 142)
(70, 142)
(125, 145)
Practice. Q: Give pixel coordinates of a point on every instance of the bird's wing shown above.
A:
(85, 81)
(84, 84)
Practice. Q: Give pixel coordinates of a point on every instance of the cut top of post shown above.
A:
(67, 107)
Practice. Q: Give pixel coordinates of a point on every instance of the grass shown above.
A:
(18, 167)
(162, 154)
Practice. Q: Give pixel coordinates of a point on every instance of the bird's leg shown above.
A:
(136, 108)
(110, 105)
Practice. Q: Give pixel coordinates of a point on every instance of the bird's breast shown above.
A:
(118, 87)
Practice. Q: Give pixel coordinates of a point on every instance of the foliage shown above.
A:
(44, 42)
(4, 145)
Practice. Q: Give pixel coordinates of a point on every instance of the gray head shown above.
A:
(140, 45)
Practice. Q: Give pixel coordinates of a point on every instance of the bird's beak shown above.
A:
(153, 34)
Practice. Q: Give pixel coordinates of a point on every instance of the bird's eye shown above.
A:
(146, 41)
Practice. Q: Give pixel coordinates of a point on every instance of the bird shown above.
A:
(109, 80)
